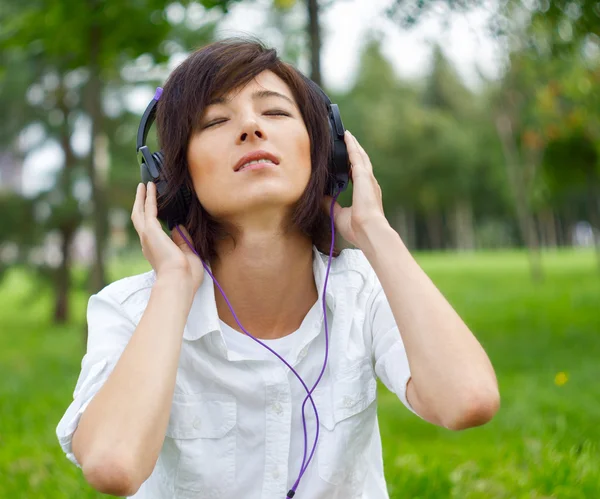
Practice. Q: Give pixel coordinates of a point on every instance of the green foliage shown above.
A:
(432, 143)
(382, 113)
(17, 212)
(562, 26)
(63, 35)
(549, 91)
(543, 442)
(571, 161)
(444, 89)
(554, 26)
(50, 51)
(17, 233)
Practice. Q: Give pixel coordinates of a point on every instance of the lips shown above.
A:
(254, 156)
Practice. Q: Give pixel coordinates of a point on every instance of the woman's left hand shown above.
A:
(367, 205)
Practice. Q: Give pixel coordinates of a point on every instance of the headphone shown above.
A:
(175, 211)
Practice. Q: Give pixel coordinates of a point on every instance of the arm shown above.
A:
(116, 427)
(453, 383)
(121, 432)
(452, 380)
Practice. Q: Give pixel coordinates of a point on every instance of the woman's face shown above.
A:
(262, 116)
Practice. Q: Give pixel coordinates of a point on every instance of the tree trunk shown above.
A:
(435, 230)
(63, 278)
(314, 35)
(100, 216)
(462, 226)
(560, 232)
(404, 224)
(593, 202)
(517, 178)
(68, 224)
(548, 228)
(411, 229)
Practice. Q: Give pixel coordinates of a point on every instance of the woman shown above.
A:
(174, 400)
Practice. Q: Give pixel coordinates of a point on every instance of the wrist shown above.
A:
(374, 234)
(177, 284)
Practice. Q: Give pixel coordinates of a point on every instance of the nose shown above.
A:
(251, 130)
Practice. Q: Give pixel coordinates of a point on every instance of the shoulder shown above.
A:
(351, 266)
(114, 311)
(123, 291)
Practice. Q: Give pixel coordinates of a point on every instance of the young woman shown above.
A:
(181, 396)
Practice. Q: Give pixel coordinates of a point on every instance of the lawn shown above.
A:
(543, 339)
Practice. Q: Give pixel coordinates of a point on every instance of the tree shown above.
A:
(541, 38)
(452, 157)
(88, 43)
(559, 26)
(381, 113)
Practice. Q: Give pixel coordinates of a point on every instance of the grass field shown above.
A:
(543, 339)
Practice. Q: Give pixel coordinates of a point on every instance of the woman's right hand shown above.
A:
(169, 257)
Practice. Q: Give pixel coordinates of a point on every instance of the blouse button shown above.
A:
(197, 423)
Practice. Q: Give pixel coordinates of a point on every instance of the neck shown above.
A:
(268, 279)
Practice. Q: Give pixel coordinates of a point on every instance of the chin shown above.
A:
(248, 196)
(268, 200)
(239, 204)
(271, 192)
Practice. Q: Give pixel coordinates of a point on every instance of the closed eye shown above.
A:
(272, 112)
(277, 112)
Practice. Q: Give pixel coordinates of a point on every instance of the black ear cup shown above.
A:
(175, 212)
(161, 184)
(339, 164)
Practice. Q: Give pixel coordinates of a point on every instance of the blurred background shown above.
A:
(482, 121)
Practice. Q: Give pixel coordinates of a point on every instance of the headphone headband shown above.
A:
(147, 119)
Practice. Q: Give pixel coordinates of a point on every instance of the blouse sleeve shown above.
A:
(389, 355)
(109, 331)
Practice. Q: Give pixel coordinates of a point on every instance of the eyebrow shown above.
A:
(259, 94)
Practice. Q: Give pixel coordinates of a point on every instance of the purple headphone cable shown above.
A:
(305, 463)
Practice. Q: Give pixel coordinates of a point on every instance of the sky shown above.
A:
(346, 22)
(344, 27)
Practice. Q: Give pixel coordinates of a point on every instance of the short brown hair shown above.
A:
(211, 72)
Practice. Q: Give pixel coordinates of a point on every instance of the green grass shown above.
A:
(544, 442)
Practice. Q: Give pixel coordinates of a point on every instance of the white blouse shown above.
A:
(235, 428)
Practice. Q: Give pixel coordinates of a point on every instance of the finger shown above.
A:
(363, 154)
(137, 212)
(353, 153)
(150, 208)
